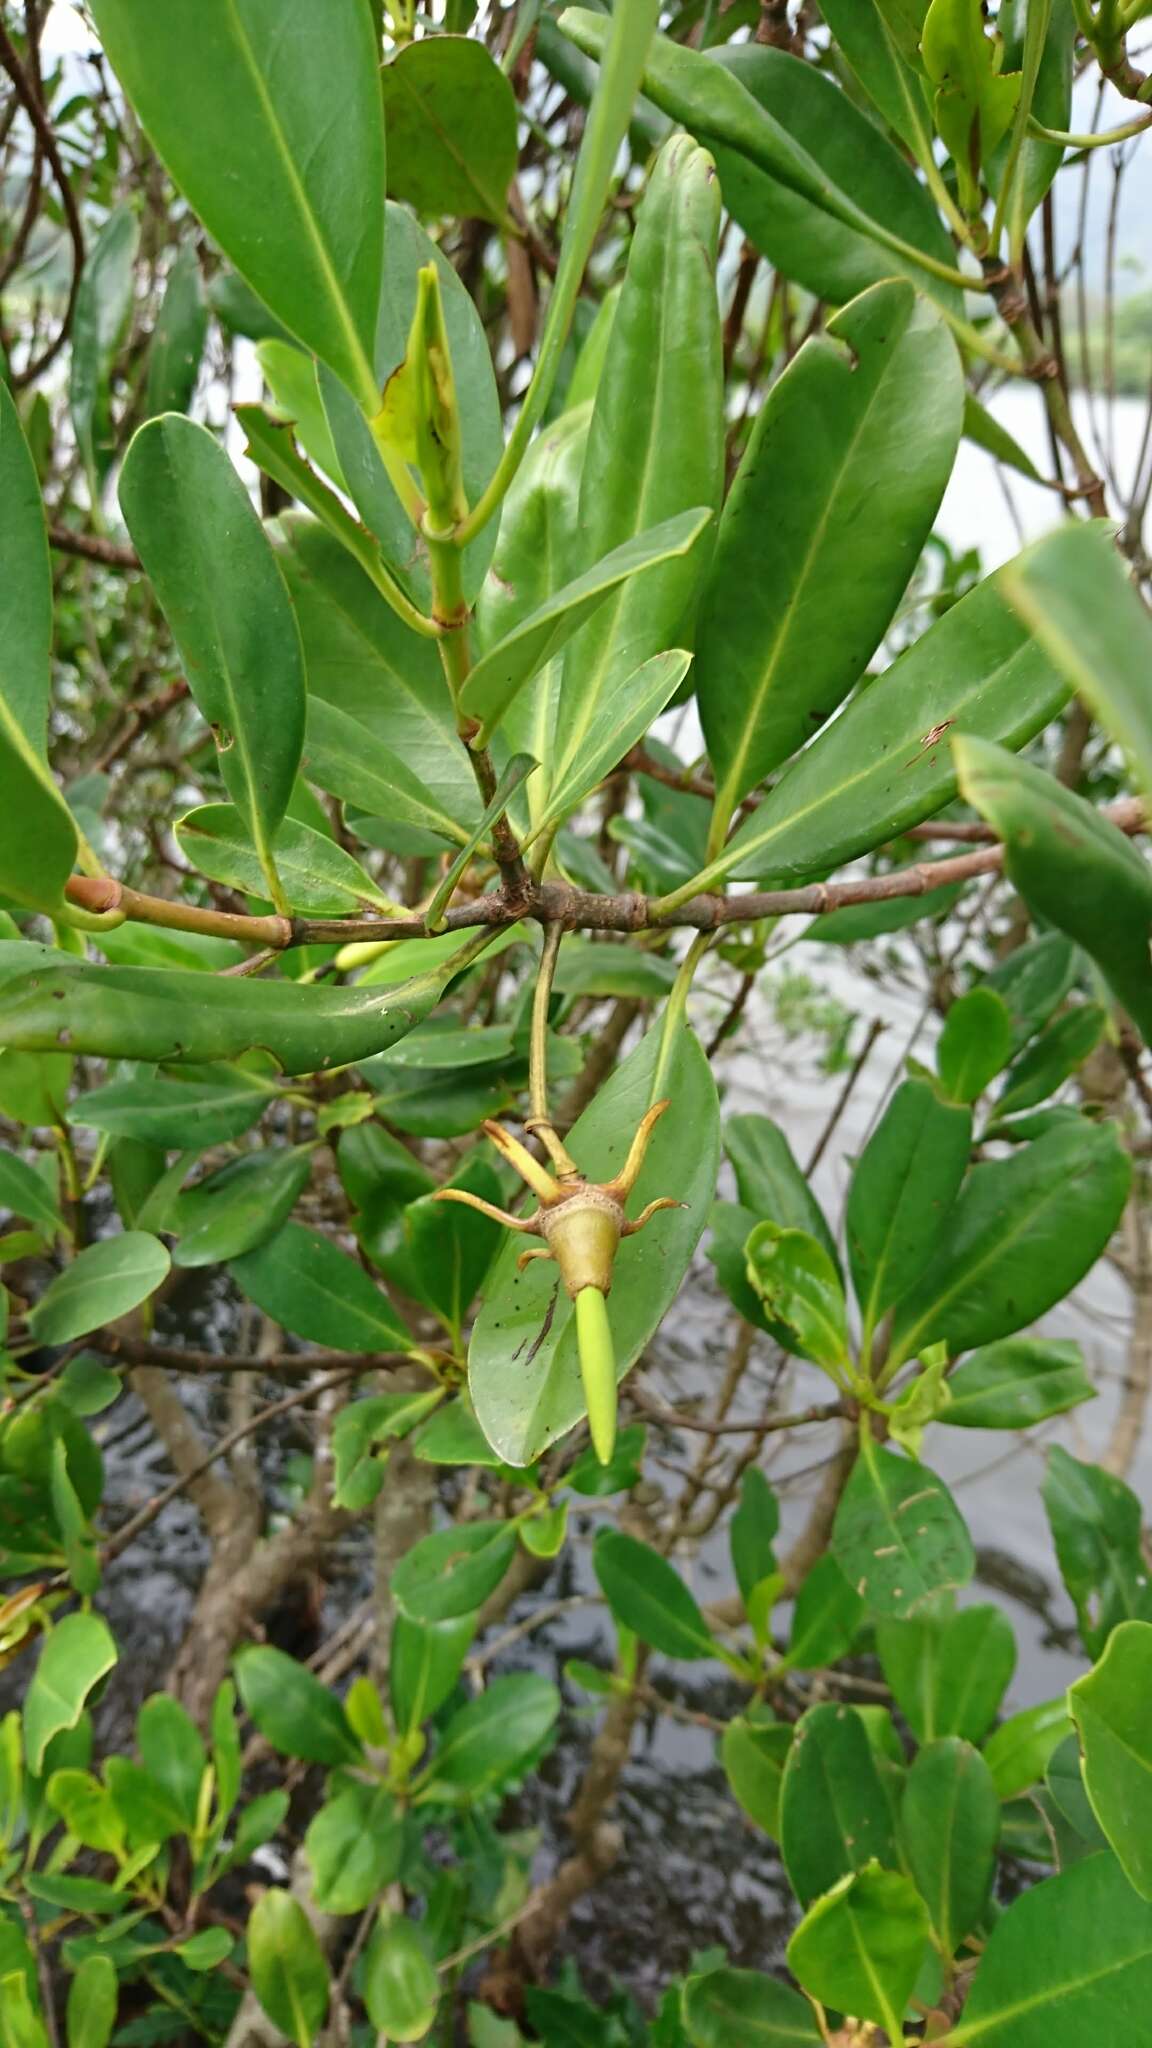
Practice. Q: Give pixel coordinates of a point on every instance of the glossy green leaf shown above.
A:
(26, 650)
(78, 1652)
(452, 1572)
(1017, 1753)
(189, 1110)
(619, 719)
(1109, 1706)
(354, 1844)
(883, 764)
(99, 323)
(801, 1292)
(286, 1965)
(93, 2003)
(753, 1754)
(826, 1617)
(899, 1537)
(804, 582)
(948, 1671)
(975, 101)
(449, 1248)
(172, 1751)
(725, 2006)
(861, 1947)
(103, 1282)
(237, 97)
(353, 764)
(949, 1829)
(307, 1284)
(902, 1191)
(1071, 864)
(451, 119)
(518, 770)
(590, 967)
(178, 337)
(975, 1044)
(87, 1810)
(25, 1193)
(358, 1429)
(536, 639)
(769, 1181)
(216, 577)
(1055, 1055)
(495, 1737)
(423, 1665)
(1069, 1962)
(239, 1207)
(647, 1595)
(655, 444)
(293, 1711)
(884, 62)
(522, 1365)
(1017, 1382)
(1033, 981)
(807, 243)
(20, 2024)
(145, 1813)
(319, 878)
(1096, 1524)
(835, 1815)
(454, 1437)
(76, 1535)
(752, 1532)
(400, 1987)
(1023, 1231)
(292, 378)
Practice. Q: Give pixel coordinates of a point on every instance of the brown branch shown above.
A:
(173, 1358)
(29, 100)
(92, 546)
(763, 1425)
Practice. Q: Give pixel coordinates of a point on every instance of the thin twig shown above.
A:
(29, 100)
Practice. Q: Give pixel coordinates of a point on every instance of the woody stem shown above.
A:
(541, 1122)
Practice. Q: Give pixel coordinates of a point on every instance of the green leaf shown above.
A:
(804, 581)
(1070, 864)
(357, 1475)
(902, 1191)
(286, 1965)
(453, 1436)
(172, 1751)
(93, 2002)
(152, 1013)
(948, 1671)
(898, 1536)
(143, 1809)
(424, 1664)
(451, 119)
(647, 1595)
(654, 449)
(237, 97)
(26, 652)
(1069, 1962)
(1018, 1753)
(752, 1532)
(884, 54)
(801, 1291)
(401, 1989)
(303, 1281)
(293, 1711)
(87, 1810)
(537, 638)
(77, 1653)
(1022, 1233)
(975, 1044)
(102, 1283)
(75, 1531)
(725, 2006)
(809, 244)
(1074, 591)
(1034, 981)
(178, 337)
(99, 324)
(826, 1617)
(341, 756)
(495, 1737)
(319, 878)
(753, 1754)
(975, 101)
(949, 1830)
(1054, 1056)
(1017, 1382)
(835, 1815)
(293, 380)
(588, 967)
(25, 1193)
(1096, 1524)
(1064, 1784)
(769, 1181)
(1110, 1708)
(186, 1110)
(354, 1845)
(862, 1946)
(883, 764)
(619, 717)
(985, 431)
(213, 570)
(523, 1404)
(20, 2024)
(206, 1950)
(238, 1208)
(452, 1572)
